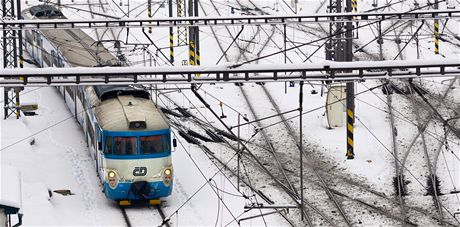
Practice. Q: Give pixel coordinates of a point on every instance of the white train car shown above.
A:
(127, 135)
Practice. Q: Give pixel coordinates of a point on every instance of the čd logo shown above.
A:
(140, 171)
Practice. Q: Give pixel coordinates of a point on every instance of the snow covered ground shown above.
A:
(50, 151)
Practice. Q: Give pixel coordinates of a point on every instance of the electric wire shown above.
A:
(403, 117)
(227, 163)
(207, 182)
(329, 36)
(312, 110)
(402, 164)
(249, 181)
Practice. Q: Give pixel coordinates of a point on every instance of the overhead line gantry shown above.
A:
(227, 21)
(9, 39)
(325, 71)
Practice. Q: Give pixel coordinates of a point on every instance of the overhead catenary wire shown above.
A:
(306, 112)
(207, 182)
(72, 117)
(224, 165)
(397, 160)
(327, 37)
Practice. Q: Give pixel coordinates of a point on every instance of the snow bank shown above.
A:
(10, 189)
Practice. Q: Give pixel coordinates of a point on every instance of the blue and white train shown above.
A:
(127, 135)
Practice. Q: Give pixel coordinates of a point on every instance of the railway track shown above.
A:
(334, 191)
(268, 142)
(133, 214)
(292, 140)
(256, 187)
(328, 192)
(402, 167)
(396, 165)
(295, 138)
(342, 186)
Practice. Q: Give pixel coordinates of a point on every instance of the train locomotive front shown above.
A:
(128, 137)
(135, 143)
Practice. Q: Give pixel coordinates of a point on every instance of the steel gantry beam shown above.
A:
(226, 21)
(9, 40)
(324, 71)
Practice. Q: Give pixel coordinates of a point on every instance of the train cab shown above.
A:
(134, 144)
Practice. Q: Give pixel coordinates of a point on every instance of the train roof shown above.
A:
(108, 91)
(77, 47)
(125, 108)
(45, 11)
(123, 112)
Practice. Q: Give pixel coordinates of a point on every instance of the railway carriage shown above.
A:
(128, 137)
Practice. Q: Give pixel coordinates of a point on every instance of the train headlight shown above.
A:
(112, 179)
(111, 174)
(167, 176)
(167, 172)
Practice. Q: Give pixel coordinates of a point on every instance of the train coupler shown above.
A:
(124, 203)
(154, 202)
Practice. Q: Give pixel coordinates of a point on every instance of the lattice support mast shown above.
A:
(10, 58)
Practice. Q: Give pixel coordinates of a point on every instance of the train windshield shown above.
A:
(125, 146)
(154, 144)
(134, 145)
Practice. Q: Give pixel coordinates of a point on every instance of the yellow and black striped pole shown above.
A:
(436, 36)
(196, 37)
(171, 35)
(197, 53)
(192, 52)
(436, 30)
(354, 5)
(149, 12)
(171, 45)
(350, 152)
(198, 57)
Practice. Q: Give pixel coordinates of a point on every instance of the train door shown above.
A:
(33, 45)
(39, 50)
(53, 58)
(99, 148)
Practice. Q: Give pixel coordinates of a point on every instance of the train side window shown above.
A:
(59, 62)
(53, 58)
(152, 144)
(108, 145)
(125, 146)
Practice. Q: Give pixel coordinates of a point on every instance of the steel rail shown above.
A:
(205, 126)
(163, 216)
(431, 174)
(280, 167)
(399, 178)
(125, 216)
(331, 178)
(291, 133)
(226, 21)
(252, 110)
